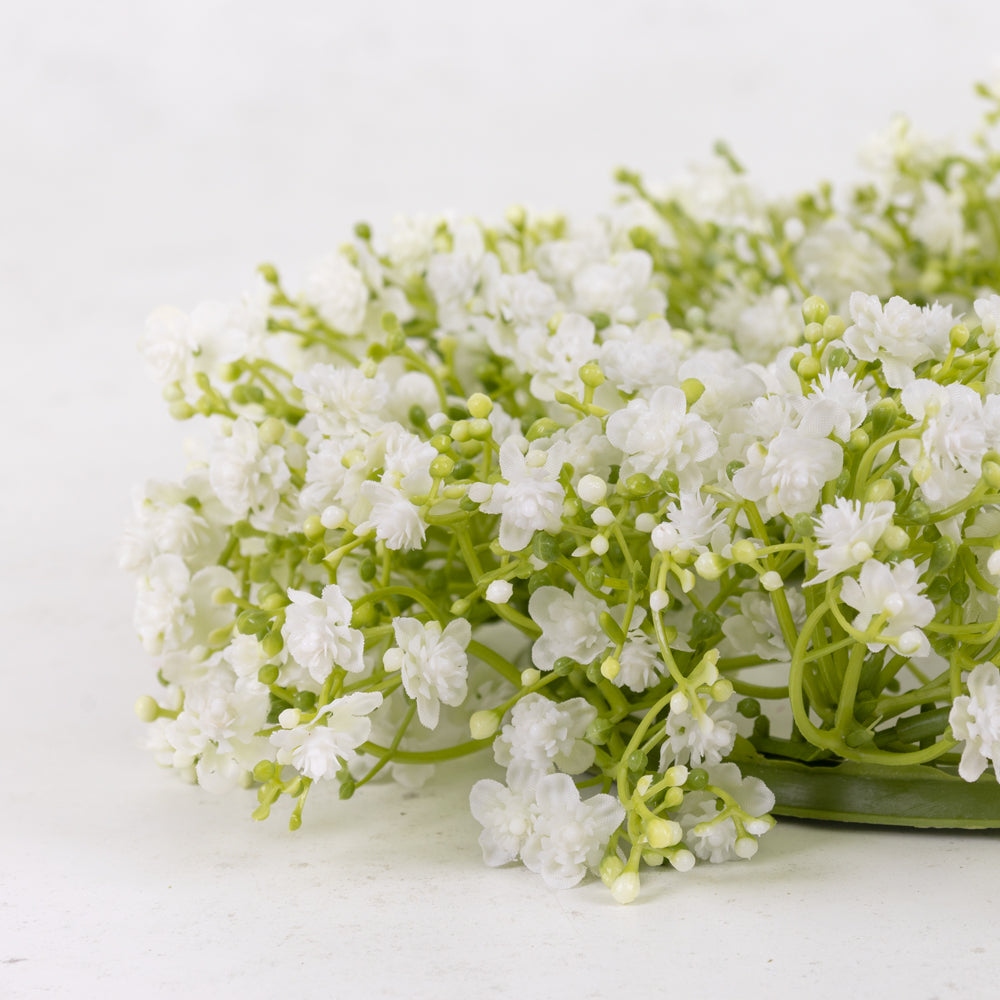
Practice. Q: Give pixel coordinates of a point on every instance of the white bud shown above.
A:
(479, 492)
(745, 847)
(499, 592)
(658, 600)
(772, 581)
(645, 522)
(392, 660)
(592, 489)
(603, 516)
(679, 702)
(625, 888)
(599, 545)
(709, 566)
(289, 718)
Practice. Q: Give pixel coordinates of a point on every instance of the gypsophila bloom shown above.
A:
(506, 816)
(544, 734)
(570, 625)
(895, 593)
(846, 533)
(433, 663)
(318, 633)
(337, 290)
(975, 718)
(319, 748)
(696, 737)
(248, 475)
(528, 500)
(712, 837)
(659, 434)
(568, 835)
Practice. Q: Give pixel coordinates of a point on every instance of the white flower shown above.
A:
(174, 610)
(836, 259)
(543, 734)
(659, 434)
(790, 473)
(847, 533)
(642, 357)
(318, 635)
(835, 406)
(247, 475)
(755, 630)
(318, 748)
(618, 288)
(568, 835)
(337, 289)
(691, 524)
(900, 335)
(345, 401)
(168, 345)
(506, 817)
(570, 625)
(938, 221)
(893, 591)
(639, 663)
(394, 519)
(529, 500)
(706, 736)
(975, 718)
(526, 300)
(555, 359)
(988, 311)
(433, 663)
(716, 840)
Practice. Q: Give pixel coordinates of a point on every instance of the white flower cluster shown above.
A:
(593, 480)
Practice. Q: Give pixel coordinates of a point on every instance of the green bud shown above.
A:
(542, 428)
(537, 580)
(733, 467)
(918, 511)
(442, 466)
(884, 414)
(591, 375)
(347, 787)
(858, 441)
(313, 528)
(601, 321)
(838, 358)
(991, 474)
(943, 554)
(959, 335)
(803, 525)
(364, 615)
(268, 674)
(669, 482)
(879, 490)
(147, 709)
(639, 485)
(815, 309)
(251, 622)
(808, 368)
(316, 554)
(418, 416)
(693, 390)
(563, 666)
(181, 410)
(637, 761)
(483, 724)
(594, 577)
(697, 779)
(749, 708)
(545, 547)
(480, 429)
(895, 538)
(263, 770)
(367, 569)
(304, 701)
(813, 333)
(272, 644)
(704, 625)
(833, 327)
(960, 592)
(440, 442)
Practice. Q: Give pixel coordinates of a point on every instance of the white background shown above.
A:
(155, 153)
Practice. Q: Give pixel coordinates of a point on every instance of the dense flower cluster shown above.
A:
(589, 494)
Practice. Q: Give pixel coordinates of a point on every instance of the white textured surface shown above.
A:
(155, 153)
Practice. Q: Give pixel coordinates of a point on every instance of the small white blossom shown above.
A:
(506, 816)
(893, 591)
(692, 524)
(529, 498)
(337, 289)
(659, 434)
(846, 533)
(344, 400)
(835, 406)
(394, 519)
(543, 734)
(704, 736)
(247, 475)
(433, 663)
(836, 259)
(899, 335)
(319, 748)
(790, 473)
(713, 839)
(988, 311)
(568, 835)
(975, 718)
(318, 633)
(570, 625)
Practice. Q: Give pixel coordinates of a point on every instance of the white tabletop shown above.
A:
(157, 152)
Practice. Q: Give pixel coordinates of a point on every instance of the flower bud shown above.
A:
(147, 709)
(483, 724)
(625, 888)
(815, 309)
(661, 833)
